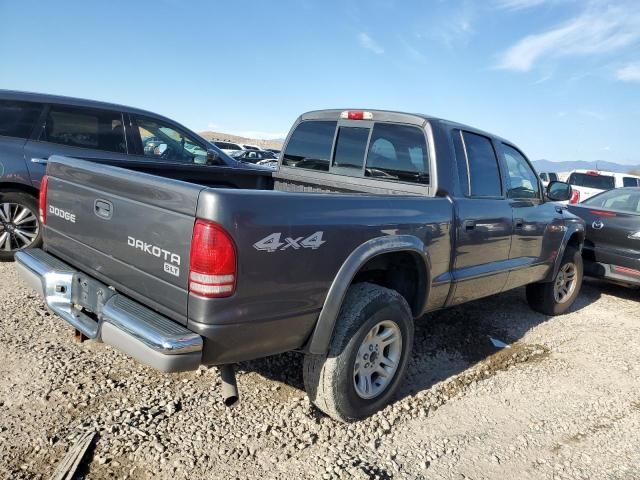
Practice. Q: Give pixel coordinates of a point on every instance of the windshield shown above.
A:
(622, 200)
(601, 182)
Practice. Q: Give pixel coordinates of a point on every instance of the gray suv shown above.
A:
(35, 126)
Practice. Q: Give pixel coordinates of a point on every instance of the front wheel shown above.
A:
(19, 223)
(555, 297)
(367, 357)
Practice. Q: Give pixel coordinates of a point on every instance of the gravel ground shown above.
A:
(563, 401)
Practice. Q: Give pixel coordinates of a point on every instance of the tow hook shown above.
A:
(230, 395)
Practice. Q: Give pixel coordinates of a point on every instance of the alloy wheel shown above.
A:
(18, 227)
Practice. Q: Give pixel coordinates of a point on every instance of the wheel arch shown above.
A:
(396, 246)
(6, 187)
(574, 236)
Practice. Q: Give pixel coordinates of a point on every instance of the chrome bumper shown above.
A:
(119, 321)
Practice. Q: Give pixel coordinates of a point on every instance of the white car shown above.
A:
(547, 177)
(228, 147)
(587, 183)
(251, 147)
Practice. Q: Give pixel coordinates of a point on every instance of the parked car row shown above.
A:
(231, 147)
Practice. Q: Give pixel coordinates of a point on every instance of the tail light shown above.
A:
(600, 213)
(575, 196)
(356, 115)
(212, 269)
(42, 199)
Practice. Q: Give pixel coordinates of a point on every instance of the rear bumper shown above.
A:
(116, 320)
(613, 273)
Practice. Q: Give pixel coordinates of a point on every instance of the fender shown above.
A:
(321, 336)
(572, 227)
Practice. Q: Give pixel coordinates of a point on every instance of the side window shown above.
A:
(544, 177)
(310, 145)
(398, 152)
(482, 163)
(629, 182)
(17, 119)
(86, 128)
(523, 182)
(165, 142)
(351, 145)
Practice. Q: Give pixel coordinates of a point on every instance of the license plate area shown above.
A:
(90, 294)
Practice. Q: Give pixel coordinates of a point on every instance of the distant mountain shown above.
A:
(549, 166)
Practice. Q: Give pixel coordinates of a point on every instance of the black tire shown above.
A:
(329, 379)
(541, 296)
(23, 200)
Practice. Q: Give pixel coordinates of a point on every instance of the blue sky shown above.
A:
(561, 78)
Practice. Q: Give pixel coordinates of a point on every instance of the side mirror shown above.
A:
(213, 158)
(558, 191)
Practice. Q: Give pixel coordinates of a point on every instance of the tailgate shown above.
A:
(130, 230)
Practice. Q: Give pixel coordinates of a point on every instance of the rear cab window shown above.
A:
(375, 150)
(17, 119)
(592, 180)
(630, 182)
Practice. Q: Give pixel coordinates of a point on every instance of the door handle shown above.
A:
(519, 223)
(469, 225)
(559, 209)
(42, 161)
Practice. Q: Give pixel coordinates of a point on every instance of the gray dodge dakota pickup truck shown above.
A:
(374, 219)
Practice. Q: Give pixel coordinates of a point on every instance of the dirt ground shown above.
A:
(562, 401)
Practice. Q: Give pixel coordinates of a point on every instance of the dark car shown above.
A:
(35, 126)
(612, 246)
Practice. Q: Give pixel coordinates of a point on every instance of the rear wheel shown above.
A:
(367, 357)
(555, 297)
(19, 223)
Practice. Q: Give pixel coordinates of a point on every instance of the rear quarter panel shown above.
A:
(293, 281)
(13, 168)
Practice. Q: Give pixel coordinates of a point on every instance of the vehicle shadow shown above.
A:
(446, 343)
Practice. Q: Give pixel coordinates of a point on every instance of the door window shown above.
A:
(482, 164)
(17, 119)
(310, 145)
(85, 128)
(523, 182)
(398, 152)
(630, 182)
(167, 143)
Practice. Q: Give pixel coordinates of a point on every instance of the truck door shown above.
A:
(534, 244)
(483, 221)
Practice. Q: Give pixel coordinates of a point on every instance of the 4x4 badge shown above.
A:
(272, 243)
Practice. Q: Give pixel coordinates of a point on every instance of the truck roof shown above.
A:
(592, 171)
(392, 115)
